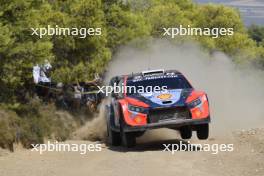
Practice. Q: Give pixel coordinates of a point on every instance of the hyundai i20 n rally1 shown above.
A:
(177, 105)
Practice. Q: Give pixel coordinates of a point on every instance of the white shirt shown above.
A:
(39, 75)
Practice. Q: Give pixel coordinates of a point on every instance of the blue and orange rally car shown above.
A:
(176, 105)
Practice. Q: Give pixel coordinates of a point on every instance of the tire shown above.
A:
(113, 137)
(186, 132)
(128, 139)
(202, 131)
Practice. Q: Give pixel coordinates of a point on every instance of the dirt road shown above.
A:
(148, 158)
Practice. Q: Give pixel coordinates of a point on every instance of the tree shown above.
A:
(19, 49)
(257, 34)
(124, 26)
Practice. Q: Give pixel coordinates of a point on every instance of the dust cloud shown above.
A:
(236, 94)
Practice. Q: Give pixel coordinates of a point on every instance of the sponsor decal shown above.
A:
(164, 96)
(174, 95)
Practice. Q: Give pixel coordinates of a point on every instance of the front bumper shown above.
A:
(175, 123)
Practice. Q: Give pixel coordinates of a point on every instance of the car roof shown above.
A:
(143, 74)
(152, 72)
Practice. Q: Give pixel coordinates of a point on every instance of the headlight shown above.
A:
(195, 103)
(136, 108)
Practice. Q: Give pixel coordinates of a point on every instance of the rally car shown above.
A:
(176, 105)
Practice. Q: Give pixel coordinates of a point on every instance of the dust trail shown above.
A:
(94, 130)
(236, 95)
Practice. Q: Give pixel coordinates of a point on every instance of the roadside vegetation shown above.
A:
(28, 120)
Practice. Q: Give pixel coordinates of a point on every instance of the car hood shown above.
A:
(169, 98)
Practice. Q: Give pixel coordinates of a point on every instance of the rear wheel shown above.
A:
(202, 131)
(186, 132)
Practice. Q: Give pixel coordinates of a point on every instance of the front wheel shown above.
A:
(128, 139)
(186, 132)
(113, 138)
(202, 131)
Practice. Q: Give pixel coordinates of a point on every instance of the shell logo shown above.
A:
(164, 96)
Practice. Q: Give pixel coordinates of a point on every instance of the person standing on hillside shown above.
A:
(41, 73)
(41, 76)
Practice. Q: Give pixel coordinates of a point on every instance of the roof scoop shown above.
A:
(153, 72)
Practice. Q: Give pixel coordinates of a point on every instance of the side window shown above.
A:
(120, 85)
(114, 81)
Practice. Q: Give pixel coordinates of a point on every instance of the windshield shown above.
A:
(169, 82)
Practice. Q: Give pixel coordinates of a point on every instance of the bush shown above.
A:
(257, 33)
(8, 126)
(32, 123)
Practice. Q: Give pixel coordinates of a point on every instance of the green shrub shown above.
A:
(34, 122)
(8, 125)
